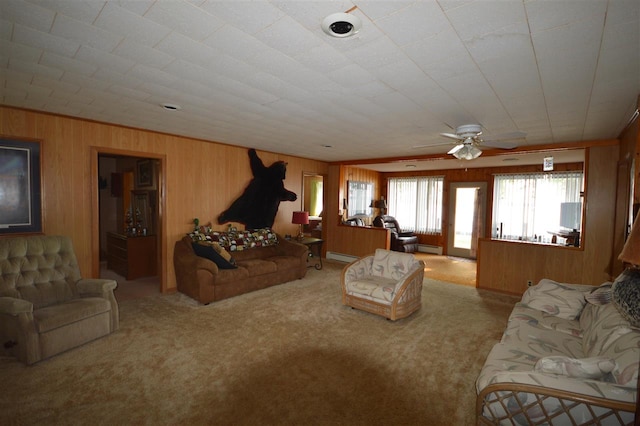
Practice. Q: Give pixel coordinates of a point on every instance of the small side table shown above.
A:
(315, 250)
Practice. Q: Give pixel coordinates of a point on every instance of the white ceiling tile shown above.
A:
(56, 85)
(288, 37)
(544, 14)
(105, 60)
(45, 41)
(27, 14)
(142, 54)
(129, 92)
(111, 77)
(232, 41)
(412, 23)
(444, 46)
(82, 10)
(35, 69)
(375, 9)
(68, 64)
(482, 17)
(122, 23)
(249, 17)
(350, 76)
(87, 83)
(85, 34)
(323, 58)
(153, 75)
(186, 19)
(183, 47)
(139, 7)
(20, 51)
(377, 53)
(6, 29)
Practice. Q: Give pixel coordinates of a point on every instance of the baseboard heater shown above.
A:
(424, 248)
(347, 258)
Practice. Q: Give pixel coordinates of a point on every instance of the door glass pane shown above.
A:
(463, 225)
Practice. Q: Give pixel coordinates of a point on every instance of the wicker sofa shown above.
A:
(562, 360)
(45, 306)
(260, 259)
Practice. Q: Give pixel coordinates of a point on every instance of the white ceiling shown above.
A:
(262, 74)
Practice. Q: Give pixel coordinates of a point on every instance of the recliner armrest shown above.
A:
(95, 286)
(406, 234)
(15, 306)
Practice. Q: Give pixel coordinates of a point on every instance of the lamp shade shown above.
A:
(631, 250)
(300, 218)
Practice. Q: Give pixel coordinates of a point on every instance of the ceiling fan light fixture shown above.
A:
(467, 152)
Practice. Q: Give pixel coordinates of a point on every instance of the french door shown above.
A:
(467, 210)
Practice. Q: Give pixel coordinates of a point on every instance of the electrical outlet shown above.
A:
(529, 283)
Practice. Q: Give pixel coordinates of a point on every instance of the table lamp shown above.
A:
(300, 218)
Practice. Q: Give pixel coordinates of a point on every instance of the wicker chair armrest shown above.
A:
(411, 283)
(501, 393)
(14, 306)
(357, 269)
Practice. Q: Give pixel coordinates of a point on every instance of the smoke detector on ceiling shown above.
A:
(341, 25)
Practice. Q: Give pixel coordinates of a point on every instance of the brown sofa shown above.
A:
(257, 268)
(45, 306)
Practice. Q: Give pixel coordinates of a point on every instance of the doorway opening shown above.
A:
(127, 236)
(467, 210)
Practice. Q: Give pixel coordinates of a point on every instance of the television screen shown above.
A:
(571, 215)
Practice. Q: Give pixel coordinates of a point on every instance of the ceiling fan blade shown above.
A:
(430, 145)
(456, 149)
(512, 135)
(500, 144)
(451, 135)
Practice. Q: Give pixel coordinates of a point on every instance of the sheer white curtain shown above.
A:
(527, 206)
(416, 203)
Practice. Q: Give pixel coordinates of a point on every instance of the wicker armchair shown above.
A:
(388, 284)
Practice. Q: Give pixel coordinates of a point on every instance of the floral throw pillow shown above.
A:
(555, 299)
(582, 368)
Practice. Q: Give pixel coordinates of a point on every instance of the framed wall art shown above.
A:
(144, 173)
(20, 187)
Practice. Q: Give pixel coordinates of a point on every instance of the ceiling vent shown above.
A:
(341, 25)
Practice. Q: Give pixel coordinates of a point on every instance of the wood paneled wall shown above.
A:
(198, 178)
(506, 266)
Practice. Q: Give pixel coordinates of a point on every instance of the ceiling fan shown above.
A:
(469, 139)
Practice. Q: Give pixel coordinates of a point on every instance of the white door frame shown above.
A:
(455, 251)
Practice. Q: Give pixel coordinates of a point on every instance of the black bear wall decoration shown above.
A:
(257, 206)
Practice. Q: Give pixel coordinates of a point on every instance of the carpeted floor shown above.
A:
(451, 269)
(289, 354)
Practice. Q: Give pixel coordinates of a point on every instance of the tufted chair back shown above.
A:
(40, 269)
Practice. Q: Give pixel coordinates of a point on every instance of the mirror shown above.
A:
(360, 198)
(143, 206)
(312, 202)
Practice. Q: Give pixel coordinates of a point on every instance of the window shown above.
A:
(416, 202)
(529, 206)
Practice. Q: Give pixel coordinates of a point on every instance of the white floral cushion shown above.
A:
(392, 264)
(583, 368)
(557, 299)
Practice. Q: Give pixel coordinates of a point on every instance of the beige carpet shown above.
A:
(289, 354)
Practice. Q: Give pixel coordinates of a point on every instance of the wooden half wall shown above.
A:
(506, 266)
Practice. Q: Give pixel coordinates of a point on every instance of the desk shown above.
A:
(315, 250)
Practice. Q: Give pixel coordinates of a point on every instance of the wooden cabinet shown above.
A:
(131, 257)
